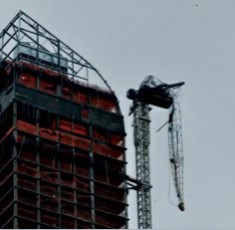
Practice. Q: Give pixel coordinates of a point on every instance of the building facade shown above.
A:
(62, 139)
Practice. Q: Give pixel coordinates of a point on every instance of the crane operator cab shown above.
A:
(153, 92)
(155, 96)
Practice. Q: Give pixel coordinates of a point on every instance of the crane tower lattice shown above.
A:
(154, 92)
(142, 141)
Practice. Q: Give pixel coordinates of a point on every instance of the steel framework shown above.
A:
(25, 32)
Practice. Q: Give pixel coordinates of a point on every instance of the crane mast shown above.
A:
(142, 141)
(157, 93)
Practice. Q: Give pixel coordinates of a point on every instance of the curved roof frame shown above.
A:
(26, 32)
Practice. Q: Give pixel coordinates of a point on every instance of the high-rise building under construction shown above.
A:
(62, 139)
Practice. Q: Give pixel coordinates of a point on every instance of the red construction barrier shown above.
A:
(82, 171)
(69, 181)
(27, 169)
(50, 72)
(66, 124)
(67, 92)
(84, 214)
(26, 127)
(24, 183)
(67, 139)
(82, 143)
(47, 158)
(49, 176)
(81, 97)
(67, 195)
(107, 151)
(25, 154)
(80, 129)
(113, 194)
(28, 80)
(99, 134)
(50, 204)
(48, 190)
(107, 105)
(48, 134)
(67, 222)
(66, 166)
(48, 87)
(82, 185)
(117, 139)
(49, 218)
(85, 113)
(28, 212)
(100, 101)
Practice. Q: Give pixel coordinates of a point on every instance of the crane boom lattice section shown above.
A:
(142, 140)
(176, 151)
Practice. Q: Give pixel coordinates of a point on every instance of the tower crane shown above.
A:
(154, 92)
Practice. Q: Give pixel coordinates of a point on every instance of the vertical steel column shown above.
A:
(1, 50)
(38, 170)
(59, 182)
(18, 32)
(37, 54)
(141, 141)
(75, 185)
(15, 191)
(91, 178)
(60, 85)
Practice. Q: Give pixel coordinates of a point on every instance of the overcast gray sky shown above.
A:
(175, 40)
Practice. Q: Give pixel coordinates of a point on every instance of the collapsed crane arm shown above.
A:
(176, 151)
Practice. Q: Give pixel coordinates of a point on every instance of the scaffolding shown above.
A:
(62, 139)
